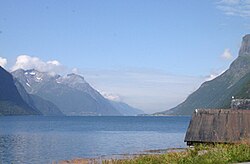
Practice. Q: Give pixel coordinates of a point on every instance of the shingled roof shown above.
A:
(218, 126)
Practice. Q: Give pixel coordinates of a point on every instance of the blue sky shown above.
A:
(172, 41)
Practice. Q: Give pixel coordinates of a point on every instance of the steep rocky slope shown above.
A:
(217, 93)
(11, 102)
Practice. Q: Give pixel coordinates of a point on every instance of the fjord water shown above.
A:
(37, 139)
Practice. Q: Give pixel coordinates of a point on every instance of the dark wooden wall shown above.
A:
(219, 125)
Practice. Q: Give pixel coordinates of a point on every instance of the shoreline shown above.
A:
(200, 153)
(100, 159)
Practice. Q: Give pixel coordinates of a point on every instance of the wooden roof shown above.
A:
(219, 125)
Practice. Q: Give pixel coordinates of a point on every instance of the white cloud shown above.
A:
(29, 62)
(230, 2)
(111, 96)
(226, 55)
(213, 75)
(3, 62)
(235, 7)
(75, 70)
(54, 62)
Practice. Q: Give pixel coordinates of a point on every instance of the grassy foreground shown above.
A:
(200, 154)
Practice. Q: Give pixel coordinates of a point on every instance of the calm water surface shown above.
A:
(37, 139)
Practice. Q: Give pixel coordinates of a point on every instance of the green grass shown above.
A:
(200, 154)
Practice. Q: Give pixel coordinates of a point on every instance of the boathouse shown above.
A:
(218, 126)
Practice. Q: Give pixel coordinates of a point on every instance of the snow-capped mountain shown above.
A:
(71, 93)
(32, 80)
(77, 82)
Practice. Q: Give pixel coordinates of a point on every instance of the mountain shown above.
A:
(11, 102)
(47, 108)
(125, 109)
(217, 93)
(243, 92)
(71, 93)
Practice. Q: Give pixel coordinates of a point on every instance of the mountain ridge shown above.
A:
(214, 93)
(71, 93)
(11, 102)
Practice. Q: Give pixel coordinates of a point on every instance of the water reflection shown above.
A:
(45, 142)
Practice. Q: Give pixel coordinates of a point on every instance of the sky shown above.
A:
(150, 54)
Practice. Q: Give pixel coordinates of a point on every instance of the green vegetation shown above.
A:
(200, 154)
(244, 89)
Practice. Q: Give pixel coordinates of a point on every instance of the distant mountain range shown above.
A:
(218, 92)
(70, 93)
(31, 92)
(126, 109)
